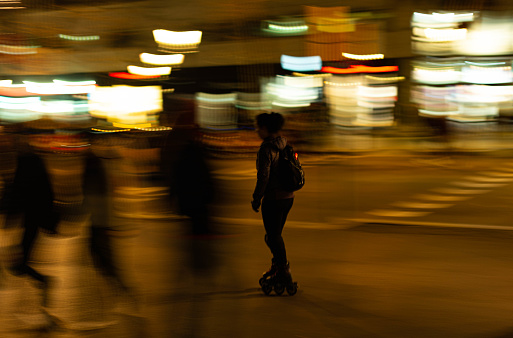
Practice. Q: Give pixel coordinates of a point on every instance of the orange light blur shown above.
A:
(354, 69)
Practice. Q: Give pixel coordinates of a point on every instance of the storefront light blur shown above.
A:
(79, 37)
(365, 57)
(18, 50)
(128, 76)
(339, 23)
(300, 81)
(441, 19)
(476, 78)
(358, 100)
(216, 111)
(149, 71)
(292, 27)
(177, 40)
(127, 104)
(436, 76)
(301, 63)
(292, 91)
(439, 33)
(17, 116)
(59, 87)
(486, 75)
(357, 69)
(22, 109)
(161, 60)
(490, 36)
(251, 101)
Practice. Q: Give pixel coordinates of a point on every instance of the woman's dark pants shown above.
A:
(274, 215)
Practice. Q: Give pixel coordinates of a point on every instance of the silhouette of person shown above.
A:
(28, 199)
(276, 202)
(97, 203)
(188, 174)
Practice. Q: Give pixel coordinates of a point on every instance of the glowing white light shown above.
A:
(286, 28)
(177, 39)
(363, 57)
(216, 98)
(56, 106)
(75, 83)
(292, 93)
(377, 92)
(487, 75)
(291, 104)
(19, 100)
(161, 60)
(18, 50)
(445, 34)
(300, 81)
(17, 116)
(126, 104)
(301, 63)
(442, 17)
(480, 94)
(153, 71)
(301, 28)
(490, 38)
(59, 87)
(79, 38)
(437, 113)
(436, 76)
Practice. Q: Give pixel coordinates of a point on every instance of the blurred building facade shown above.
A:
(59, 36)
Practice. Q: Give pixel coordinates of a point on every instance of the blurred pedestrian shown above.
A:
(275, 201)
(98, 205)
(188, 174)
(28, 201)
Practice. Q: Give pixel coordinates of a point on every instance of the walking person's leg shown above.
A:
(272, 223)
(284, 206)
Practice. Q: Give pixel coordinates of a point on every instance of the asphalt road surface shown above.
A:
(366, 268)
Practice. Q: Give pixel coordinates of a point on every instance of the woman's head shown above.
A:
(271, 123)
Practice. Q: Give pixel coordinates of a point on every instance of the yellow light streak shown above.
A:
(161, 60)
(153, 71)
(363, 57)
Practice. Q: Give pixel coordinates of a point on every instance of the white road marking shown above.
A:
(496, 174)
(433, 224)
(397, 213)
(485, 179)
(420, 205)
(441, 198)
(447, 194)
(455, 191)
(477, 184)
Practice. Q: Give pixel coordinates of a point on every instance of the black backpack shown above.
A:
(290, 172)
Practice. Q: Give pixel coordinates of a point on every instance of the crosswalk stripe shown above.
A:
(485, 179)
(496, 174)
(430, 224)
(455, 191)
(477, 184)
(398, 213)
(420, 205)
(441, 198)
